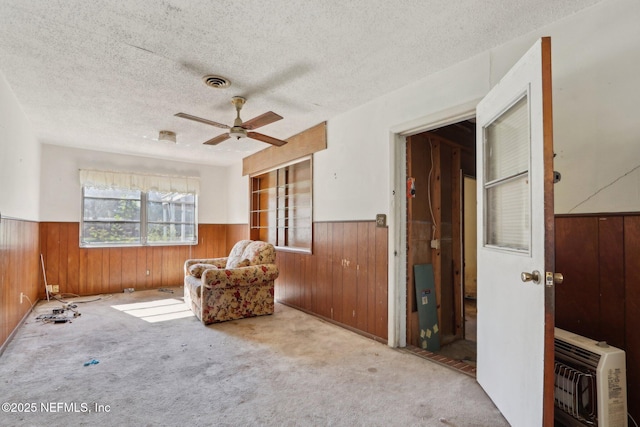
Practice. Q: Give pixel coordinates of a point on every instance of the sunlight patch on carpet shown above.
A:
(156, 311)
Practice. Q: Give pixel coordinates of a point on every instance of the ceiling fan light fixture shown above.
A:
(237, 132)
(167, 135)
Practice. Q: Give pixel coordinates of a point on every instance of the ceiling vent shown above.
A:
(216, 82)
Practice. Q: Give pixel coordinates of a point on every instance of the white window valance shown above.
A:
(142, 182)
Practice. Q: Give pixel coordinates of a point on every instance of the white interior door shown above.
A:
(515, 236)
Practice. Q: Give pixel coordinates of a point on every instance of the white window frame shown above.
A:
(145, 184)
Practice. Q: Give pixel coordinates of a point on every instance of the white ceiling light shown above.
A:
(167, 135)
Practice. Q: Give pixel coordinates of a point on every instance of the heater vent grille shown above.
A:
(575, 393)
(574, 353)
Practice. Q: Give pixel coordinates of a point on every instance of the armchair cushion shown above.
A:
(235, 256)
(259, 253)
(244, 263)
(197, 269)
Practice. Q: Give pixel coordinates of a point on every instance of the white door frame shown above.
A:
(397, 274)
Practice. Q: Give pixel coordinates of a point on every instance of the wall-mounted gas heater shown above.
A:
(590, 382)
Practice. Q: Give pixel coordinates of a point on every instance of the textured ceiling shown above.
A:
(109, 75)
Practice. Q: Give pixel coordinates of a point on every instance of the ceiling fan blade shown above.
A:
(261, 120)
(265, 138)
(201, 120)
(218, 139)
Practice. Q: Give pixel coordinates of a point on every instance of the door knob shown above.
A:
(534, 276)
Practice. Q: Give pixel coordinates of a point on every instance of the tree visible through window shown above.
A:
(114, 217)
(171, 217)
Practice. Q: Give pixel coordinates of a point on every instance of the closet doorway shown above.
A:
(441, 231)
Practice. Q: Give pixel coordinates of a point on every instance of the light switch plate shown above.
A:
(381, 220)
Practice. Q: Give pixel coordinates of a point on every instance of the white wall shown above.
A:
(19, 160)
(237, 196)
(351, 177)
(61, 193)
(596, 74)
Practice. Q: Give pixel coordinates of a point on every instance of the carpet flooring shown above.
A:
(142, 359)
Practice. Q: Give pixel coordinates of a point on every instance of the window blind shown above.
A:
(136, 181)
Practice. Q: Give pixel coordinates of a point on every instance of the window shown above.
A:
(111, 216)
(507, 193)
(281, 206)
(122, 210)
(171, 217)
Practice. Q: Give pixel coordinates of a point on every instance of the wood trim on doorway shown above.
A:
(549, 261)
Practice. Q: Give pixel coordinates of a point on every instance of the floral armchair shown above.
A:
(238, 286)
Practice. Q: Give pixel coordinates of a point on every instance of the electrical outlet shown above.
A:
(21, 296)
(55, 289)
(435, 244)
(148, 272)
(49, 289)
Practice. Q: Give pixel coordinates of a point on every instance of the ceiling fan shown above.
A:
(240, 129)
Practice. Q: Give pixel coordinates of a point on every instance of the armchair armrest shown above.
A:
(218, 262)
(242, 276)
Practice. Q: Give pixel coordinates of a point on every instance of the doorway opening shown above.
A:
(441, 231)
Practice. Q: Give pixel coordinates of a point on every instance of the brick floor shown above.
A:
(458, 365)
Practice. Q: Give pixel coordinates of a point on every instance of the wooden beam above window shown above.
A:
(303, 144)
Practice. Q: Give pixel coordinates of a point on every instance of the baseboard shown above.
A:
(334, 322)
(5, 344)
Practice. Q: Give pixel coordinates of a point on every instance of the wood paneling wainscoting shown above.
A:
(599, 256)
(19, 261)
(344, 280)
(93, 271)
(235, 233)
